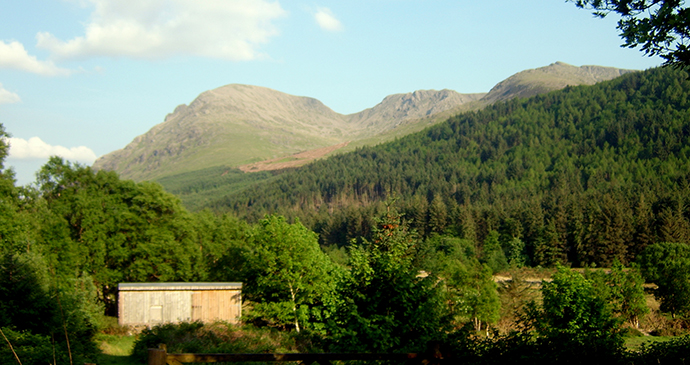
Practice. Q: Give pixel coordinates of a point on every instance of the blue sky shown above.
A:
(81, 78)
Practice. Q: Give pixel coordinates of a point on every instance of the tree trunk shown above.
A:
(477, 324)
(294, 307)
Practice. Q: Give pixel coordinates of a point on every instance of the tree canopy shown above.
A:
(287, 276)
(667, 264)
(660, 28)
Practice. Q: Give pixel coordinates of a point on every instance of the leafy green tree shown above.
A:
(437, 253)
(473, 295)
(630, 299)
(113, 230)
(16, 208)
(219, 239)
(288, 278)
(43, 320)
(386, 304)
(622, 289)
(24, 296)
(574, 323)
(493, 254)
(572, 310)
(667, 265)
(515, 249)
(659, 27)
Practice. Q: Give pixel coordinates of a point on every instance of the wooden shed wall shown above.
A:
(150, 307)
(211, 305)
(153, 307)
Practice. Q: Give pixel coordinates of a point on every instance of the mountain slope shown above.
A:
(230, 125)
(242, 125)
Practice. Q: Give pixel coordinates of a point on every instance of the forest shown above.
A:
(394, 247)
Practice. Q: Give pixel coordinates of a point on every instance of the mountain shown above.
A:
(553, 77)
(240, 124)
(586, 175)
(257, 128)
(397, 109)
(230, 125)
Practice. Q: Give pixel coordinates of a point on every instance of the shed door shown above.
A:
(156, 314)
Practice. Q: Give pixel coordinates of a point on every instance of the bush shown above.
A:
(221, 337)
(674, 351)
(523, 348)
(34, 314)
(31, 348)
(110, 326)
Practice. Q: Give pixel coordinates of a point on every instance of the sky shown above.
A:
(82, 78)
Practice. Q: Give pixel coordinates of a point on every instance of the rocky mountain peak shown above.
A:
(552, 77)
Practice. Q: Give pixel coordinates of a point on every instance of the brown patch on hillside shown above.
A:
(296, 160)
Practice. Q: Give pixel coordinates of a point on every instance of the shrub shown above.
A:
(674, 351)
(31, 348)
(221, 337)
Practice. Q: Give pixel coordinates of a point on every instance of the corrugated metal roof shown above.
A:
(177, 286)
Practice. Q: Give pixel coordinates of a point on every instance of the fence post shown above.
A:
(158, 356)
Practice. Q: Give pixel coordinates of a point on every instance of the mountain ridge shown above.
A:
(552, 77)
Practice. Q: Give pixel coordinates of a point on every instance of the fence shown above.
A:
(160, 356)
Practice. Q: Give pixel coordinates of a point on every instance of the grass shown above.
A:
(116, 349)
(635, 343)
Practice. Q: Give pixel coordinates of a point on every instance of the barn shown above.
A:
(145, 304)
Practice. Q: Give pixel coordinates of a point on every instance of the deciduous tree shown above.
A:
(572, 310)
(660, 28)
(386, 303)
(667, 265)
(288, 278)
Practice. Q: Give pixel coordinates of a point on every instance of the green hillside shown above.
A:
(585, 175)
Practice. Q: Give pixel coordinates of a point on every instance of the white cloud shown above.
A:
(152, 29)
(35, 148)
(8, 97)
(327, 21)
(13, 55)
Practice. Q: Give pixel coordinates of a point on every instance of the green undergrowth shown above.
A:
(221, 337)
(516, 348)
